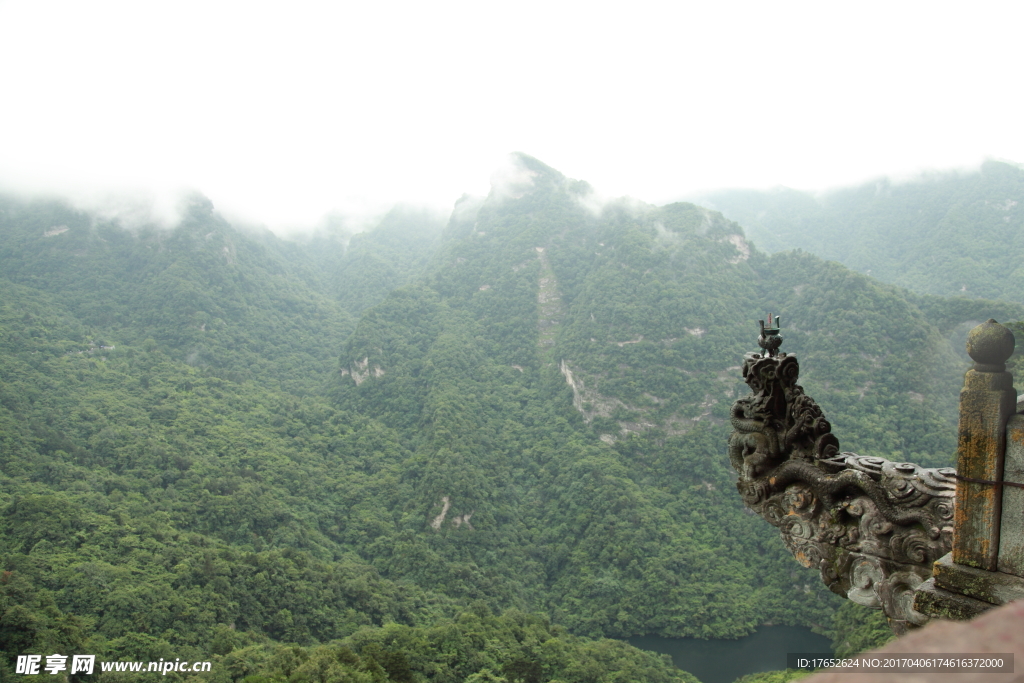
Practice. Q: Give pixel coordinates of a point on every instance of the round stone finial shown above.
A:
(990, 345)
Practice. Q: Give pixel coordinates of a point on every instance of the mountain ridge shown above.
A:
(950, 234)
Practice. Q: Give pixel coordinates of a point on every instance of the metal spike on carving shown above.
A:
(770, 340)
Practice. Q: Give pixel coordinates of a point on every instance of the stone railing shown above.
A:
(914, 542)
(986, 565)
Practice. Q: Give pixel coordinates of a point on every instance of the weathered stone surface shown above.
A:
(987, 401)
(871, 527)
(996, 631)
(990, 345)
(997, 588)
(1011, 538)
(939, 603)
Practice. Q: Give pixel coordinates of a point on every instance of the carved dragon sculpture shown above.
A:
(872, 527)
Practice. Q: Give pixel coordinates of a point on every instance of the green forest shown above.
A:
(484, 448)
(951, 234)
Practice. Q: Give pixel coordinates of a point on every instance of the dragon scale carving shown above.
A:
(870, 526)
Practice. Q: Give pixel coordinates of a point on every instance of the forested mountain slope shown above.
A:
(203, 292)
(358, 270)
(171, 486)
(952, 234)
(534, 424)
(563, 381)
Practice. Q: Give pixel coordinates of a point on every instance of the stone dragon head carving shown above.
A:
(872, 527)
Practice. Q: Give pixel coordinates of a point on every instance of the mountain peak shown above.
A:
(521, 175)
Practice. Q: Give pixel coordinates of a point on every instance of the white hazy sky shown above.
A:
(283, 112)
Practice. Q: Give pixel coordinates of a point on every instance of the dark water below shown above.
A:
(723, 661)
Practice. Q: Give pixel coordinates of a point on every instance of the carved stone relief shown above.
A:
(871, 527)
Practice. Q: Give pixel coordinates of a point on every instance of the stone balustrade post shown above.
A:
(987, 401)
(986, 565)
(1011, 538)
